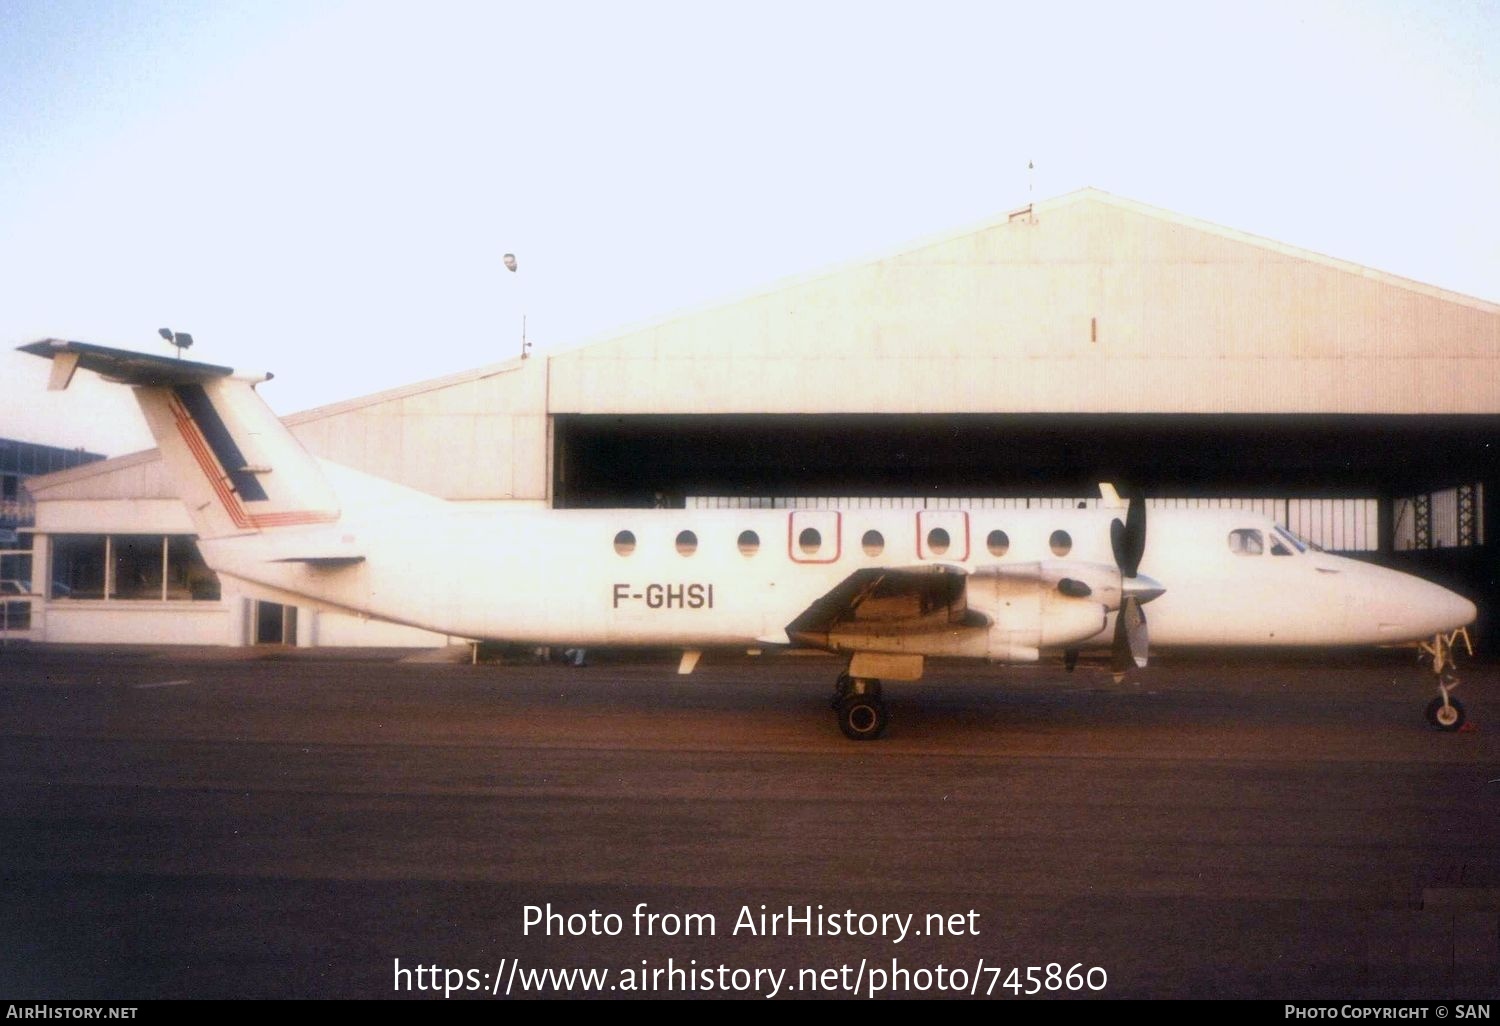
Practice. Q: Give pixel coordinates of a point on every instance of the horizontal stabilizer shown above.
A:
(125, 366)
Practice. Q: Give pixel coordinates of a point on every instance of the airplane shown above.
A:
(888, 589)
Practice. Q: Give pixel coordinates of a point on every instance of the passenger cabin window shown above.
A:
(998, 543)
(687, 543)
(810, 541)
(749, 543)
(1245, 541)
(938, 541)
(624, 543)
(1061, 542)
(873, 543)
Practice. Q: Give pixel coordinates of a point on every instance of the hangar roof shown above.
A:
(1083, 304)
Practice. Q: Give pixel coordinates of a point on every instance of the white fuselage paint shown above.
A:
(555, 577)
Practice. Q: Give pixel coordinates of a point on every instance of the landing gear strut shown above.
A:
(861, 710)
(1445, 712)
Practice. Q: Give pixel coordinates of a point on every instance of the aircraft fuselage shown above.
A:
(704, 578)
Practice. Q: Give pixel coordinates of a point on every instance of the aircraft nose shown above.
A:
(1410, 607)
(1443, 610)
(1457, 610)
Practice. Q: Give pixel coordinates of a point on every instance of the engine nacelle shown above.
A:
(1029, 612)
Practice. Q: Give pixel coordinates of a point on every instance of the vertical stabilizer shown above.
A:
(234, 464)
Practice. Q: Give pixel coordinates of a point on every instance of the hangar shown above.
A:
(1022, 360)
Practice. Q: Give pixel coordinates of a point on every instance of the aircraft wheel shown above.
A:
(862, 717)
(1450, 717)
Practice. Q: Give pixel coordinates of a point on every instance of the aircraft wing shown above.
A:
(894, 598)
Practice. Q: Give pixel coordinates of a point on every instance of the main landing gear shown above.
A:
(1445, 712)
(860, 708)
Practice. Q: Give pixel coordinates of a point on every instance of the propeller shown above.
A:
(1128, 540)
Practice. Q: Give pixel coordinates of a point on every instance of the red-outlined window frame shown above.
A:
(791, 535)
(922, 549)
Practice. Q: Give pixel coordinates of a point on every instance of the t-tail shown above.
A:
(235, 465)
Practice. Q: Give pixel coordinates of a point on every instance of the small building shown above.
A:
(21, 462)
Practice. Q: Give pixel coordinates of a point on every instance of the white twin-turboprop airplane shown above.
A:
(887, 588)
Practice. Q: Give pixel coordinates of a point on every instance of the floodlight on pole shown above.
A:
(510, 265)
(181, 339)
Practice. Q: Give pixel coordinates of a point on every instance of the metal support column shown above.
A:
(1421, 511)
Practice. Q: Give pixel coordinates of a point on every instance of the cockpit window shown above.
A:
(1279, 549)
(1246, 541)
(1301, 545)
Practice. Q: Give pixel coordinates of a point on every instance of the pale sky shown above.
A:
(325, 190)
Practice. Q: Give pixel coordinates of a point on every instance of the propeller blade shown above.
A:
(1132, 642)
(1135, 536)
(1140, 641)
(1128, 539)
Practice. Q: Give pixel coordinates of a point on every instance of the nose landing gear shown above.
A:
(1445, 712)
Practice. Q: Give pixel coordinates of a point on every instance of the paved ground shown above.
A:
(196, 825)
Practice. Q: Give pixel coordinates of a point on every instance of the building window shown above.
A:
(624, 543)
(78, 562)
(136, 561)
(873, 543)
(130, 567)
(15, 571)
(687, 543)
(15, 588)
(1061, 542)
(998, 543)
(188, 577)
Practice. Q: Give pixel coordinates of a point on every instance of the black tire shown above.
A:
(862, 718)
(1450, 719)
